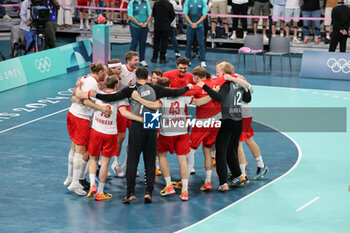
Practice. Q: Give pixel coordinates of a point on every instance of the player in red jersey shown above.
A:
(180, 77)
(103, 138)
(205, 136)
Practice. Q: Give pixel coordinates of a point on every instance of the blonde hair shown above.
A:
(226, 67)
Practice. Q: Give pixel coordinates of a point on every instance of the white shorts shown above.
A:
(328, 14)
(292, 12)
(277, 11)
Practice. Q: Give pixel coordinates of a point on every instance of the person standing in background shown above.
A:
(139, 13)
(164, 14)
(341, 24)
(311, 8)
(51, 25)
(329, 5)
(195, 13)
(64, 17)
(292, 9)
(239, 7)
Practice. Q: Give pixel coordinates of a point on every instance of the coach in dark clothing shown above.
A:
(163, 13)
(140, 139)
(341, 23)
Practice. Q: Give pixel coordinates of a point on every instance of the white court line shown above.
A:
(37, 119)
(309, 203)
(261, 188)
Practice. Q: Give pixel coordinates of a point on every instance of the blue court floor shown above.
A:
(306, 189)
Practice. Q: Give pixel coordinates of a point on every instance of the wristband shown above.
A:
(89, 94)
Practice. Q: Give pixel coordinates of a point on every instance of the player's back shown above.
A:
(101, 122)
(174, 115)
(81, 111)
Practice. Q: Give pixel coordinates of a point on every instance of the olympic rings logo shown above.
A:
(43, 64)
(340, 65)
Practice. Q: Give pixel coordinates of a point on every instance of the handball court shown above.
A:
(306, 189)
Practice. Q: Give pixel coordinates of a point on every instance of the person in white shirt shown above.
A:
(103, 138)
(239, 7)
(292, 9)
(78, 124)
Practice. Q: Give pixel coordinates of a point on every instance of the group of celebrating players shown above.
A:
(115, 97)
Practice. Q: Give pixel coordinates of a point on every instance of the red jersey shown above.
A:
(177, 81)
(212, 108)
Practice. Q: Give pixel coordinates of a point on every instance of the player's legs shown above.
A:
(69, 178)
(92, 174)
(241, 158)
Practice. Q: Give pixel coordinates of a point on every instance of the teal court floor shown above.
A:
(306, 189)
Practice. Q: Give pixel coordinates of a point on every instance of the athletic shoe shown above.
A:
(158, 172)
(117, 170)
(164, 61)
(203, 64)
(168, 190)
(206, 186)
(194, 54)
(226, 35)
(306, 41)
(148, 198)
(223, 188)
(296, 41)
(327, 40)
(239, 181)
(81, 27)
(103, 196)
(317, 41)
(192, 171)
(67, 181)
(213, 161)
(213, 35)
(74, 187)
(177, 55)
(154, 60)
(143, 63)
(92, 191)
(281, 35)
(233, 37)
(266, 40)
(177, 184)
(111, 23)
(87, 27)
(189, 64)
(85, 184)
(261, 172)
(6, 18)
(184, 195)
(129, 199)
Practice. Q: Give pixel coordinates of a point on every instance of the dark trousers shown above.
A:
(160, 36)
(138, 38)
(50, 30)
(239, 9)
(226, 145)
(145, 141)
(337, 37)
(195, 42)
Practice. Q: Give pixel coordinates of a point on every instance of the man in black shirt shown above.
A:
(140, 139)
(163, 13)
(341, 23)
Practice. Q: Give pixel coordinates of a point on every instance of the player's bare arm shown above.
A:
(130, 115)
(155, 105)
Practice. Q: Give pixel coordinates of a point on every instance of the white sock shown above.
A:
(260, 162)
(77, 160)
(83, 169)
(242, 166)
(70, 163)
(87, 22)
(100, 188)
(92, 179)
(81, 22)
(190, 159)
(208, 178)
(157, 162)
(167, 180)
(117, 160)
(184, 184)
